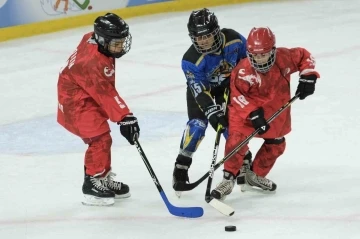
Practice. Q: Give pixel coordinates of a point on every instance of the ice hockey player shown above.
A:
(88, 98)
(259, 86)
(207, 65)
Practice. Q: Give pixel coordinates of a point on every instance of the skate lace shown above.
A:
(97, 183)
(264, 181)
(111, 183)
(225, 186)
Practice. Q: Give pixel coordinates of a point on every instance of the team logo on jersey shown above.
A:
(252, 79)
(221, 72)
(109, 72)
(241, 72)
(285, 71)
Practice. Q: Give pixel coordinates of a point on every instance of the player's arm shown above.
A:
(243, 92)
(246, 101)
(236, 41)
(305, 64)
(200, 89)
(105, 94)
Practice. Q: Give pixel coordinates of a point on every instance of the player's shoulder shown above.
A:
(90, 58)
(244, 67)
(231, 35)
(86, 45)
(87, 36)
(284, 54)
(283, 50)
(191, 55)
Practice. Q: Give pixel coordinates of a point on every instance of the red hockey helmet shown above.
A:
(261, 49)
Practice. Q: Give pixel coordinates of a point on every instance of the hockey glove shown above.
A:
(226, 82)
(306, 86)
(215, 115)
(258, 121)
(129, 128)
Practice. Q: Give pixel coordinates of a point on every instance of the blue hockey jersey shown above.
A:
(204, 72)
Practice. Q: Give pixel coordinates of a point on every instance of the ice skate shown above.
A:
(225, 187)
(240, 180)
(180, 174)
(120, 189)
(95, 194)
(257, 183)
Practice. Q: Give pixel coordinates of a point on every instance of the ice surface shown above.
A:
(41, 164)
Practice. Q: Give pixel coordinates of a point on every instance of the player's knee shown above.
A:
(192, 136)
(278, 143)
(104, 141)
(275, 141)
(107, 140)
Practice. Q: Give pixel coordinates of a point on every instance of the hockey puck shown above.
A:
(230, 228)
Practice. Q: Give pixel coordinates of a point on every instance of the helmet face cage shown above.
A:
(262, 67)
(207, 43)
(204, 31)
(114, 47)
(120, 46)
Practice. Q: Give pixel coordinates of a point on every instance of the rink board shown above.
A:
(84, 18)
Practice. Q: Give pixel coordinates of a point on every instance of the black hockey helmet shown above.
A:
(112, 35)
(204, 31)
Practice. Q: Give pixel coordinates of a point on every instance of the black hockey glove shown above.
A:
(129, 128)
(258, 121)
(306, 86)
(215, 115)
(226, 82)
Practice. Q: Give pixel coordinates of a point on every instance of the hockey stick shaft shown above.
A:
(216, 204)
(216, 149)
(187, 187)
(213, 162)
(191, 212)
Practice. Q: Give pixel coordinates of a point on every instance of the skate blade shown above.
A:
(248, 188)
(122, 196)
(96, 201)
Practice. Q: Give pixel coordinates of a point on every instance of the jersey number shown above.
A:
(240, 100)
(196, 89)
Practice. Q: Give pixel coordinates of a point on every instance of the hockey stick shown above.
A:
(218, 205)
(180, 186)
(216, 148)
(215, 203)
(191, 212)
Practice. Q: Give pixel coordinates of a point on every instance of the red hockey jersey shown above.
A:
(87, 97)
(251, 90)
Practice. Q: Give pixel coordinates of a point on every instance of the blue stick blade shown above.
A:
(189, 212)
